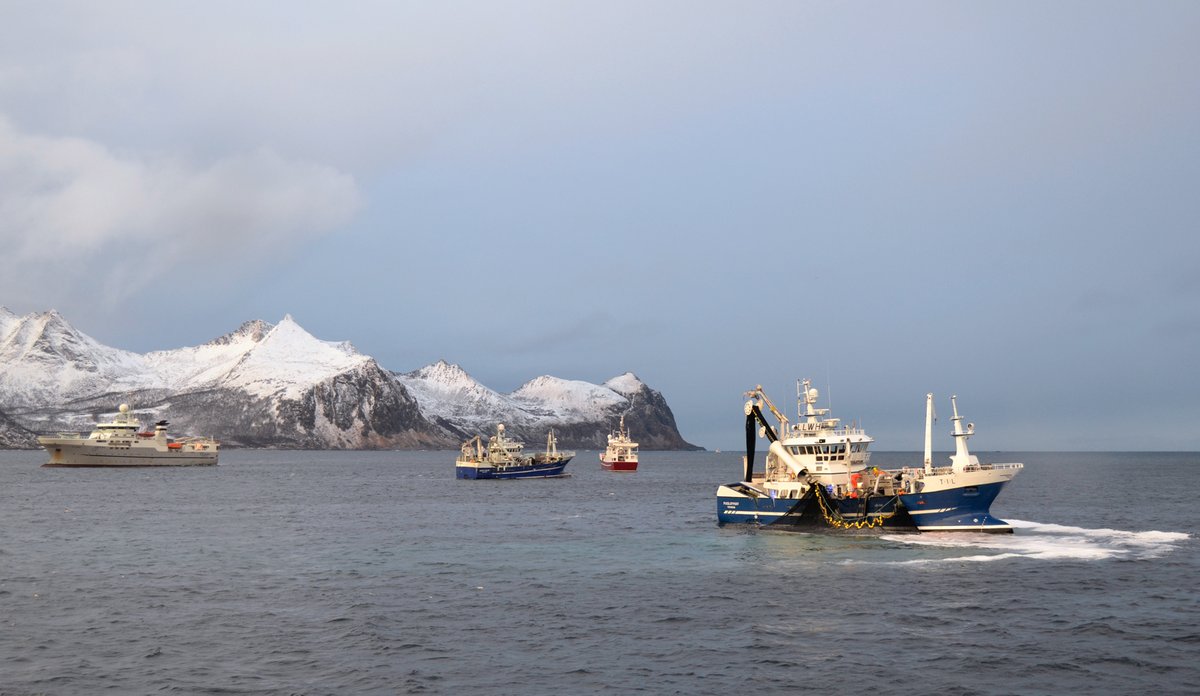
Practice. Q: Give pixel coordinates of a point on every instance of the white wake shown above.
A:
(1037, 540)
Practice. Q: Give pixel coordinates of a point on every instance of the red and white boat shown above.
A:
(621, 454)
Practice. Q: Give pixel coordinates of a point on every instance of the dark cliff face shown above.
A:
(649, 414)
(14, 436)
(254, 329)
(372, 410)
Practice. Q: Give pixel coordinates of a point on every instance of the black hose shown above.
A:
(751, 435)
(766, 426)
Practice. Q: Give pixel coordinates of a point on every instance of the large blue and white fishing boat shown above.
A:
(504, 458)
(817, 475)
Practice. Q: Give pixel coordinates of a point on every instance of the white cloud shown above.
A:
(68, 204)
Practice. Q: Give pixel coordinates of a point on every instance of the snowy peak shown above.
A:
(575, 395)
(48, 338)
(288, 329)
(445, 389)
(626, 384)
(446, 376)
(46, 333)
(249, 332)
(7, 321)
(288, 360)
(189, 369)
(45, 359)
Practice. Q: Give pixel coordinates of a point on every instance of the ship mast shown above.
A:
(929, 433)
(962, 457)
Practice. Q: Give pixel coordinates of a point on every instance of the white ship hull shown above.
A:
(76, 452)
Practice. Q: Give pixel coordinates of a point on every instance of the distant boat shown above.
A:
(622, 452)
(817, 475)
(503, 458)
(119, 443)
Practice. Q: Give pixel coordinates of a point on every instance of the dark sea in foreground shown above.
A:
(379, 573)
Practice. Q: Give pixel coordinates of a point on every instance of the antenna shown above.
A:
(828, 390)
(799, 395)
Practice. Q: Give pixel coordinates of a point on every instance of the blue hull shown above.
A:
(963, 509)
(957, 510)
(878, 513)
(535, 470)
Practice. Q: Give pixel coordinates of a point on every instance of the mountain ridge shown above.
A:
(277, 385)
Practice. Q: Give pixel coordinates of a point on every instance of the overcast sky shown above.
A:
(998, 200)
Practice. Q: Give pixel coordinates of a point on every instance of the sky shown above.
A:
(994, 200)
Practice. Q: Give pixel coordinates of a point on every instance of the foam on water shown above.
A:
(1042, 541)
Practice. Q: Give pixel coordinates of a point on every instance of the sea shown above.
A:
(286, 572)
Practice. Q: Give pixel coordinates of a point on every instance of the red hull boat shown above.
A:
(621, 454)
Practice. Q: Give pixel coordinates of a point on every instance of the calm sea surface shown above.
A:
(379, 573)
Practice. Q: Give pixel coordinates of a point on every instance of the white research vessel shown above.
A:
(120, 443)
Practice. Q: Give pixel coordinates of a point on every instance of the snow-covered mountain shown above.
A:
(278, 386)
(581, 413)
(45, 360)
(262, 385)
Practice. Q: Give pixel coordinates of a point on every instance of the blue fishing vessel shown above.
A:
(504, 458)
(817, 476)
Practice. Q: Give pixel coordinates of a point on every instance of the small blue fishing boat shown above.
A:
(504, 458)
